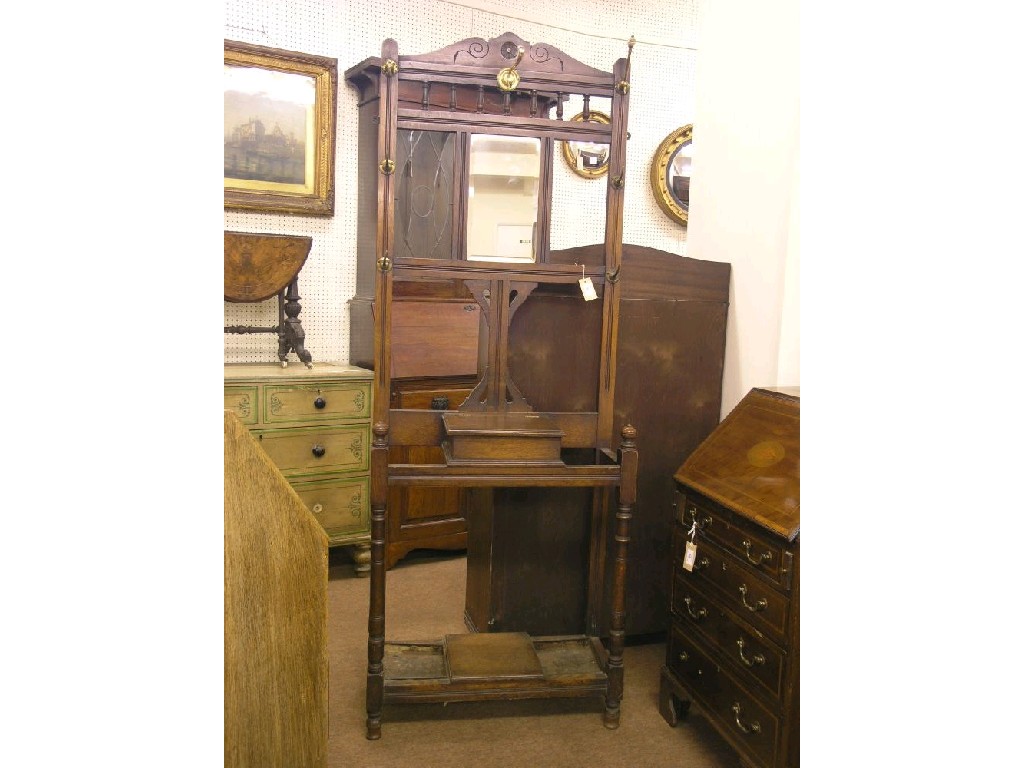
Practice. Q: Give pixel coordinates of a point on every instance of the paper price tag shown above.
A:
(689, 556)
(589, 292)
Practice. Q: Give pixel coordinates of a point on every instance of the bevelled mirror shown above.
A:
(504, 186)
(670, 173)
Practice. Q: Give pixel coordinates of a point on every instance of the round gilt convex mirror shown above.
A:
(670, 173)
(585, 158)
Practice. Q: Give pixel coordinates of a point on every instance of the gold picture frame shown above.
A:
(280, 111)
(588, 164)
(669, 182)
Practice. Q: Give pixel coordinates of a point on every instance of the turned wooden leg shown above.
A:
(617, 628)
(375, 623)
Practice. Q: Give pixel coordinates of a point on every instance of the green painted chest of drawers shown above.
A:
(314, 423)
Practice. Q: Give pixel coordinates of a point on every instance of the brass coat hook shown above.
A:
(508, 78)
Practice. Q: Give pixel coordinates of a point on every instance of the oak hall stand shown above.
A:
(486, 115)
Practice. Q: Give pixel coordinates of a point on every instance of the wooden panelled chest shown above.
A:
(734, 639)
(314, 423)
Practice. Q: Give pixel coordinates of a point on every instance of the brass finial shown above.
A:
(623, 84)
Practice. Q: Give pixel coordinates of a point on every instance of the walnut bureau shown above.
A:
(734, 639)
(314, 423)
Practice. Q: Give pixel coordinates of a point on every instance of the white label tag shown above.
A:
(589, 293)
(690, 556)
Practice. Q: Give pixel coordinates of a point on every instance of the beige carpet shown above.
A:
(425, 595)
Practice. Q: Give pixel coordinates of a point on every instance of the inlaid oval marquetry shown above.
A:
(766, 453)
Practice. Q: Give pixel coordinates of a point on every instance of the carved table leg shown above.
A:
(291, 337)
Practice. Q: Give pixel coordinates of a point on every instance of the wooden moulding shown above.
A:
(501, 439)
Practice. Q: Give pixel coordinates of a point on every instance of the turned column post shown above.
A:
(617, 631)
(378, 541)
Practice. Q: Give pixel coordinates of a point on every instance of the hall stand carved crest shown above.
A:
(485, 110)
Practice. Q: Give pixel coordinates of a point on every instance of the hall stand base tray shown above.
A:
(495, 666)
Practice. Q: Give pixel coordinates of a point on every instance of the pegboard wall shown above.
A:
(596, 32)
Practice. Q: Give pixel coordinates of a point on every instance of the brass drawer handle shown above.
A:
(684, 656)
(697, 615)
(704, 562)
(704, 522)
(319, 450)
(754, 727)
(760, 605)
(764, 557)
(319, 403)
(758, 658)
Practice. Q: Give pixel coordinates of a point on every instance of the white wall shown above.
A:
(744, 203)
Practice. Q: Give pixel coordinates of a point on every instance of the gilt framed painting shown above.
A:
(280, 109)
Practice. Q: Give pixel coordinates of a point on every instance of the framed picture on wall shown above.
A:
(280, 110)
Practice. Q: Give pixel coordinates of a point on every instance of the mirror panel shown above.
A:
(579, 199)
(670, 173)
(504, 185)
(577, 208)
(425, 170)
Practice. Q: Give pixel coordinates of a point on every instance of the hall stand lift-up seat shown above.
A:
(486, 115)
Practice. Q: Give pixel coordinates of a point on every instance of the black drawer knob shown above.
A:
(439, 403)
(319, 403)
(319, 450)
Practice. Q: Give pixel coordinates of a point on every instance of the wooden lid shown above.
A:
(257, 267)
(750, 463)
(490, 655)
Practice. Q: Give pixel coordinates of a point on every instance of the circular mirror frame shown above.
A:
(570, 155)
(659, 173)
